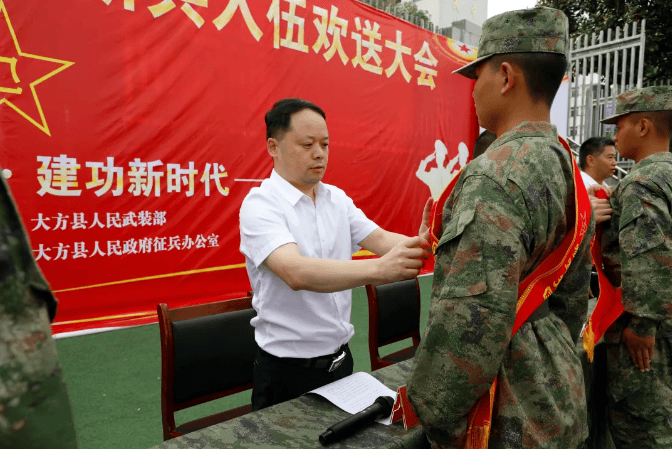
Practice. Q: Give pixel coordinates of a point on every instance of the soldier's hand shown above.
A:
(426, 220)
(640, 348)
(403, 261)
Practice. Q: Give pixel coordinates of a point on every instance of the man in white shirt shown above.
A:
(298, 235)
(597, 159)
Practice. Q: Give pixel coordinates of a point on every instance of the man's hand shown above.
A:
(404, 260)
(640, 348)
(426, 220)
(592, 191)
(600, 203)
(601, 209)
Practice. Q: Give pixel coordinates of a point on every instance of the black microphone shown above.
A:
(381, 408)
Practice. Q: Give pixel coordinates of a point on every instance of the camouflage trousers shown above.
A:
(34, 405)
(640, 404)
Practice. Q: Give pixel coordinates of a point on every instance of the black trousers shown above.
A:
(276, 381)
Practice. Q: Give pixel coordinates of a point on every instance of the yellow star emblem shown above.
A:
(6, 92)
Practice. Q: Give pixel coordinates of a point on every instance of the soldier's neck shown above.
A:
(652, 146)
(523, 110)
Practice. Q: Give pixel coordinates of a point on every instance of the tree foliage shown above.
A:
(592, 16)
(409, 8)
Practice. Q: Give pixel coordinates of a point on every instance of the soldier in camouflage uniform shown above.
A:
(637, 250)
(510, 209)
(34, 406)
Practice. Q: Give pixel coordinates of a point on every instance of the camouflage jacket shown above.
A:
(34, 405)
(27, 351)
(507, 213)
(637, 247)
(18, 270)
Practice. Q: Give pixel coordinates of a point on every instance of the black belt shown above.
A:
(329, 362)
(541, 312)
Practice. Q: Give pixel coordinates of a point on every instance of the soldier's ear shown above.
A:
(509, 77)
(644, 126)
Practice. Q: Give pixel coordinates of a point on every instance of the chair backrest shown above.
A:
(398, 306)
(394, 313)
(207, 352)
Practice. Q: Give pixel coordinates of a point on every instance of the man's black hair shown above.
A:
(483, 141)
(543, 72)
(279, 117)
(593, 147)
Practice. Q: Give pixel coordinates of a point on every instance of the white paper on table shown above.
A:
(354, 393)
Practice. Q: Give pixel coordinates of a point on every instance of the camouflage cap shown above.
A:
(535, 30)
(648, 99)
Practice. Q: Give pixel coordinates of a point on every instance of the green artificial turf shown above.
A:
(114, 380)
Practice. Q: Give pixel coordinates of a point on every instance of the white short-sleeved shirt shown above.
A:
(299, 323)
(588, 180)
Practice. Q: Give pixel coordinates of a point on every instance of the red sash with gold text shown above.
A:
(532, 291)
(609, 305)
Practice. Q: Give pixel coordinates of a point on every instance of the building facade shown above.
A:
(460, 20)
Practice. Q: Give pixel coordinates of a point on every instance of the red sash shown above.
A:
(435, 222)
(532, 291)
(609, 305)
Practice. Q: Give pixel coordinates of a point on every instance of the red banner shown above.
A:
(131, 131)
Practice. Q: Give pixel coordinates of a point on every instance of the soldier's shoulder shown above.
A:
(654, 174)
(520, 159)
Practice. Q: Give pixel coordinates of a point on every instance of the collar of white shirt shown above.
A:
(291, 193)
(588, 180)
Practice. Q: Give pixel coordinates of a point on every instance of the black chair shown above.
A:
(394, 315)
(207, 352)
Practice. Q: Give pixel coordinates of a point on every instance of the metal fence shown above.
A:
(601, 67)
(658, 83)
